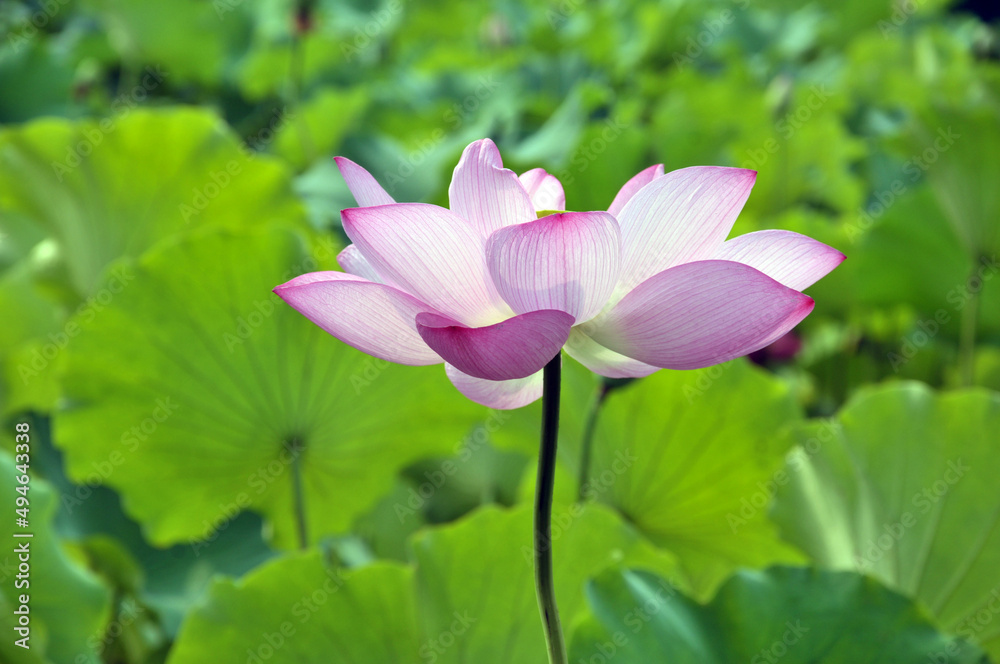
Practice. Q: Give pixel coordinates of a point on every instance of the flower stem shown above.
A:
(587, 442)
(295, 447)
(543, 512)
(967, 338)
(296, 80)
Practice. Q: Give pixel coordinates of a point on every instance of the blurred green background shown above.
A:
(216, 480)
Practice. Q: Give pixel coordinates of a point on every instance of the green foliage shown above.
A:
(68, 607)
(460, 600)
(967, 146)
(209, 376)
(299, 609)
(788, 614)
(900, 487)
(129, 180)
(319, 126)
(191, 39)
(690, 458)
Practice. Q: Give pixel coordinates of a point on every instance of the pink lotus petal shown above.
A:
(699, 314)
(501, 394)
(430, 253)
(602, 360)
(680, 217)
(568, 261)
(486, 194)
(795, 260)
(545, 190)
(374, 318)
(638, 181)
(514, 348)
(313, 277)
(367, 191)
(352, 262)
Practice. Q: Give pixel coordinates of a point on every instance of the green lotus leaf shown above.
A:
(792, 615)
(467, 597)
(299, 609)
(481, 569)
(24, 61)
(959, 151)
(30, 341)
(197, 394)
(901, 486)
(113, 187)
(68, 607)
(692, 458)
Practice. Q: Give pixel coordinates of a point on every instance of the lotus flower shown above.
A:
(494, 292)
